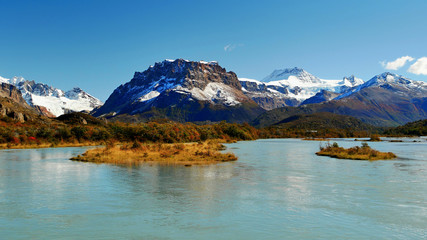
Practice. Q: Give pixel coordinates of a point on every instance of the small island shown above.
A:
(187, 154)
(355, 153)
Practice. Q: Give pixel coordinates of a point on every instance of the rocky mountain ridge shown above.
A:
(53, 101)
(182, 90)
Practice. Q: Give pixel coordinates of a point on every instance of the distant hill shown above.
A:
(417, 128)
(323, 120)
(79, 118)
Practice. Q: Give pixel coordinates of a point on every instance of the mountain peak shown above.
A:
(386, 74)
(205, 90)
(388, 77)
(285, 74)
(14, 81)
(169, 68)
(295, 69)
(77, 90)
(352, 81)
(188, 61)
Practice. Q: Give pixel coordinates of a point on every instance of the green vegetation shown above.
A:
(318, 125)
(355, 153)
(418, 128)
(82, 129)
(78, 129)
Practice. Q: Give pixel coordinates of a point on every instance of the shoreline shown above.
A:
(49, 145)
(6, 146)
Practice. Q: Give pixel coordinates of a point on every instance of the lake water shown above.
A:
(278, 189)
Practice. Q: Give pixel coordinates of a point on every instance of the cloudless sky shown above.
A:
(98, 45)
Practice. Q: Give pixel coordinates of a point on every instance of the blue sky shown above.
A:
(98, 45)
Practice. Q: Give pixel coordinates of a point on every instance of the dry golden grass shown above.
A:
(355, 153)
(187, 154)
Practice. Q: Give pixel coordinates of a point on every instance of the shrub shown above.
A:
(136, 145)
(375, 138)
(78, 132)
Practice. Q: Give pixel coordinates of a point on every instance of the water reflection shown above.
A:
(277, 188)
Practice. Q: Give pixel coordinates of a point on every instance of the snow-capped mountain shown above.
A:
(386, 99)
(297, 74)
(291, 86)
(268, 97)
(182, 90)
(352, 81)
(54, 100)
(391, 81)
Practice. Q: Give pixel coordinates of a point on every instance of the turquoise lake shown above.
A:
(278, 189)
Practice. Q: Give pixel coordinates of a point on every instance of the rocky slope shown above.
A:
(291, 87)
(11, 92)
(51, 101)
(13, 106)
(385, 100)
(181, 90)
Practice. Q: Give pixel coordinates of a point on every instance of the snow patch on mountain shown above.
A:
(214, 93)
(149, 96)
(250, 80)
(55, 100)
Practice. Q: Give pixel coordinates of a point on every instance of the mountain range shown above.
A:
(200, 91)
(385, 100)
(291, 87)
(52, 101)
